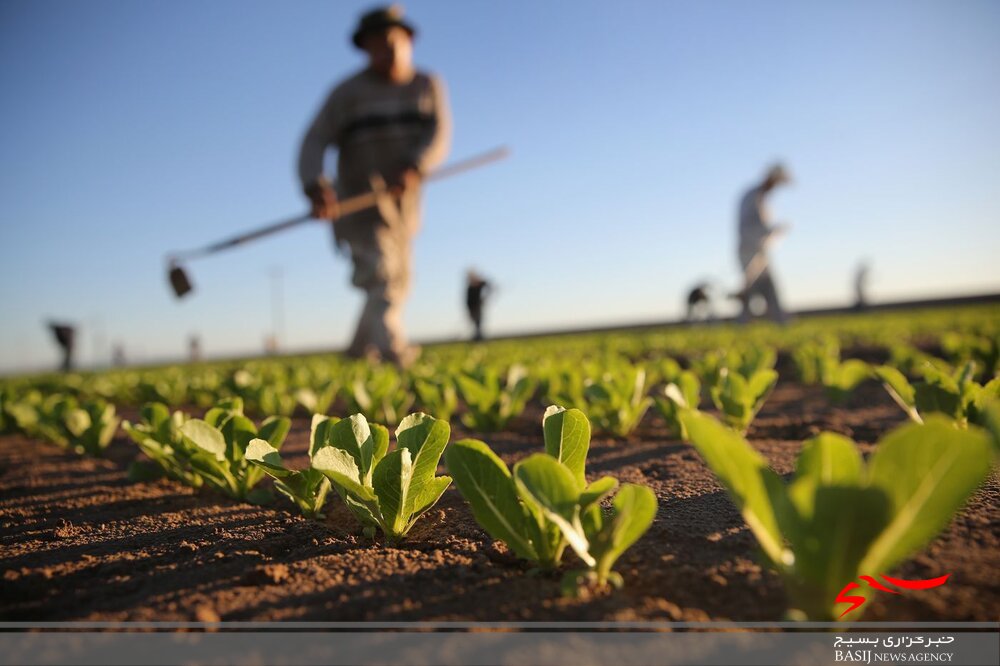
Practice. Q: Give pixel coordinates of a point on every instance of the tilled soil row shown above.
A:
(81, 542)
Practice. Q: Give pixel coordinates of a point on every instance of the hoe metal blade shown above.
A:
(179, 281)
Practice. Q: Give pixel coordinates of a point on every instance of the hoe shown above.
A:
(379, 195)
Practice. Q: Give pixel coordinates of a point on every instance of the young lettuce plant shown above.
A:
(840, 378)
(839, 518)
(86, 428)
(158, 435)
(385, 490)
(753, 359)
(491, 404)
(22, 412)
(811, 357)
(617, 402)
(684, 392)
(982, 349)
(381, 395)
(747, 361)
(956, 395)
(318, 400)
(546, 503)
(739, 398)
(437, 398)
(217, 447)
(307, 488)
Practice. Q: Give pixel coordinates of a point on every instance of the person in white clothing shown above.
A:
(756, 233)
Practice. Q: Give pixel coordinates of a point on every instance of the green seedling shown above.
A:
(381, 396)
(739, 398)
(954, 394)
(683, 393)
(491, 404)
(546, 503)
(158, 435)
(86, 428)
(839, 518)
(617, 401)
(840, 378)
(318, 400)
(437, 398)
(811, 357)
(307, 488)
(385, 490)
(746, 361)
(216, 448)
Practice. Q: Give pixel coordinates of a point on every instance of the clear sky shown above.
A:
(129, 129)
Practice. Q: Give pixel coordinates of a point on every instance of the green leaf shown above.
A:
(237, 430)
(261, 453)
(928, 471)
(308, 399)
(426, 438)
(155, 414)
(744, 474)
(597, 491)
(319, 432)
(354, 436)
(380, 440)
(547, 486)
(830, 543)
(826, 460)
(429, 495)
(342, 469)
(274, 430)
(899, 389)
(634, 509)
(760, 386)
(852, 372)
(391, 480)
(486, 484)
(77, 421)
(205, 437)
(567, 439)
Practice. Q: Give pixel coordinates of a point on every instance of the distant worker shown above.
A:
(476, 292)
(861, 286)
(699, 305)
(390, 124)
(757, 232)
(194, 348)
(65, 335)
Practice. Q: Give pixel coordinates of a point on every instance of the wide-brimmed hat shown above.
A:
(380, 19)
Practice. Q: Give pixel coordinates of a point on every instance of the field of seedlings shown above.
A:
(838, 467)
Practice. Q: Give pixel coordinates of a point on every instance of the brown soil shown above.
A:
(78, 541)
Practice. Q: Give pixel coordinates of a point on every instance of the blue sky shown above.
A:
(129, 129)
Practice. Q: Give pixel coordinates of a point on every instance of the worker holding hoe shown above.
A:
(757, 233)
(390, 125)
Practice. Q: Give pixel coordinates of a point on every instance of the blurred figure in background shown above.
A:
(477, 289)
(118, 359)
(389, 123)
(861, 285)
(194, 348)
(65, 334)
(757, 233)
(699, 305)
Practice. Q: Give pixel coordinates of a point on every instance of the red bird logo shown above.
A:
(856, 601)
